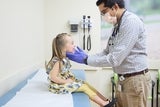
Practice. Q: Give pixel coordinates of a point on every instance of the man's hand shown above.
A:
(78, 56)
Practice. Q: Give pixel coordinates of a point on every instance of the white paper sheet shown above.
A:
(35, 94)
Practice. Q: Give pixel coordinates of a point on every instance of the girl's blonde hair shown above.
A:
(58, 44)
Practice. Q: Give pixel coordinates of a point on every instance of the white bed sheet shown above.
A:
(35, 94)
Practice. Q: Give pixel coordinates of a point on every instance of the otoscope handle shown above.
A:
(84, 39)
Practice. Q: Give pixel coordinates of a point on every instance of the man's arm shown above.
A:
(122, 48)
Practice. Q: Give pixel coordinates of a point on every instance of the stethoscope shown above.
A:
(115, 31)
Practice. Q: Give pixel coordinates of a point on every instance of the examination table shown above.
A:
(33, 92)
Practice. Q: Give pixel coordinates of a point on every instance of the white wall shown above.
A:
(22, 40)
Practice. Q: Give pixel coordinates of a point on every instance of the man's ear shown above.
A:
(116, 6)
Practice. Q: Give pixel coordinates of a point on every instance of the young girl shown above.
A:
(62, 81)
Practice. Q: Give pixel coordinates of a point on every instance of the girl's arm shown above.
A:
(54, 75)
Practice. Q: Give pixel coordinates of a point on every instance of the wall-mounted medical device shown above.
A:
(73, 25)
(85, 22)
(86, 25)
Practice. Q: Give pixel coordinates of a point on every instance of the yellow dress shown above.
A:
(64, 74)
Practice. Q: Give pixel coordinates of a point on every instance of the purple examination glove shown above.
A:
(78, 56)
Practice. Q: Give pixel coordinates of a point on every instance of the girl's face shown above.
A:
(69, 47)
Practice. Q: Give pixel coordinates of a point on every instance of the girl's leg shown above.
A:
(99, 101)
(93, 95)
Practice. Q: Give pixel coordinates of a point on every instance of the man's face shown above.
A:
(103, 10)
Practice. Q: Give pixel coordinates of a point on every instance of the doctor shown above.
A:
(125, 53)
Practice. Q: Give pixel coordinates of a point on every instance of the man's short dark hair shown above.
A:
(111, 3)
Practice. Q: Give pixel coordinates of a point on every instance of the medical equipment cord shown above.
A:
(84, 17)
(89, 36)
